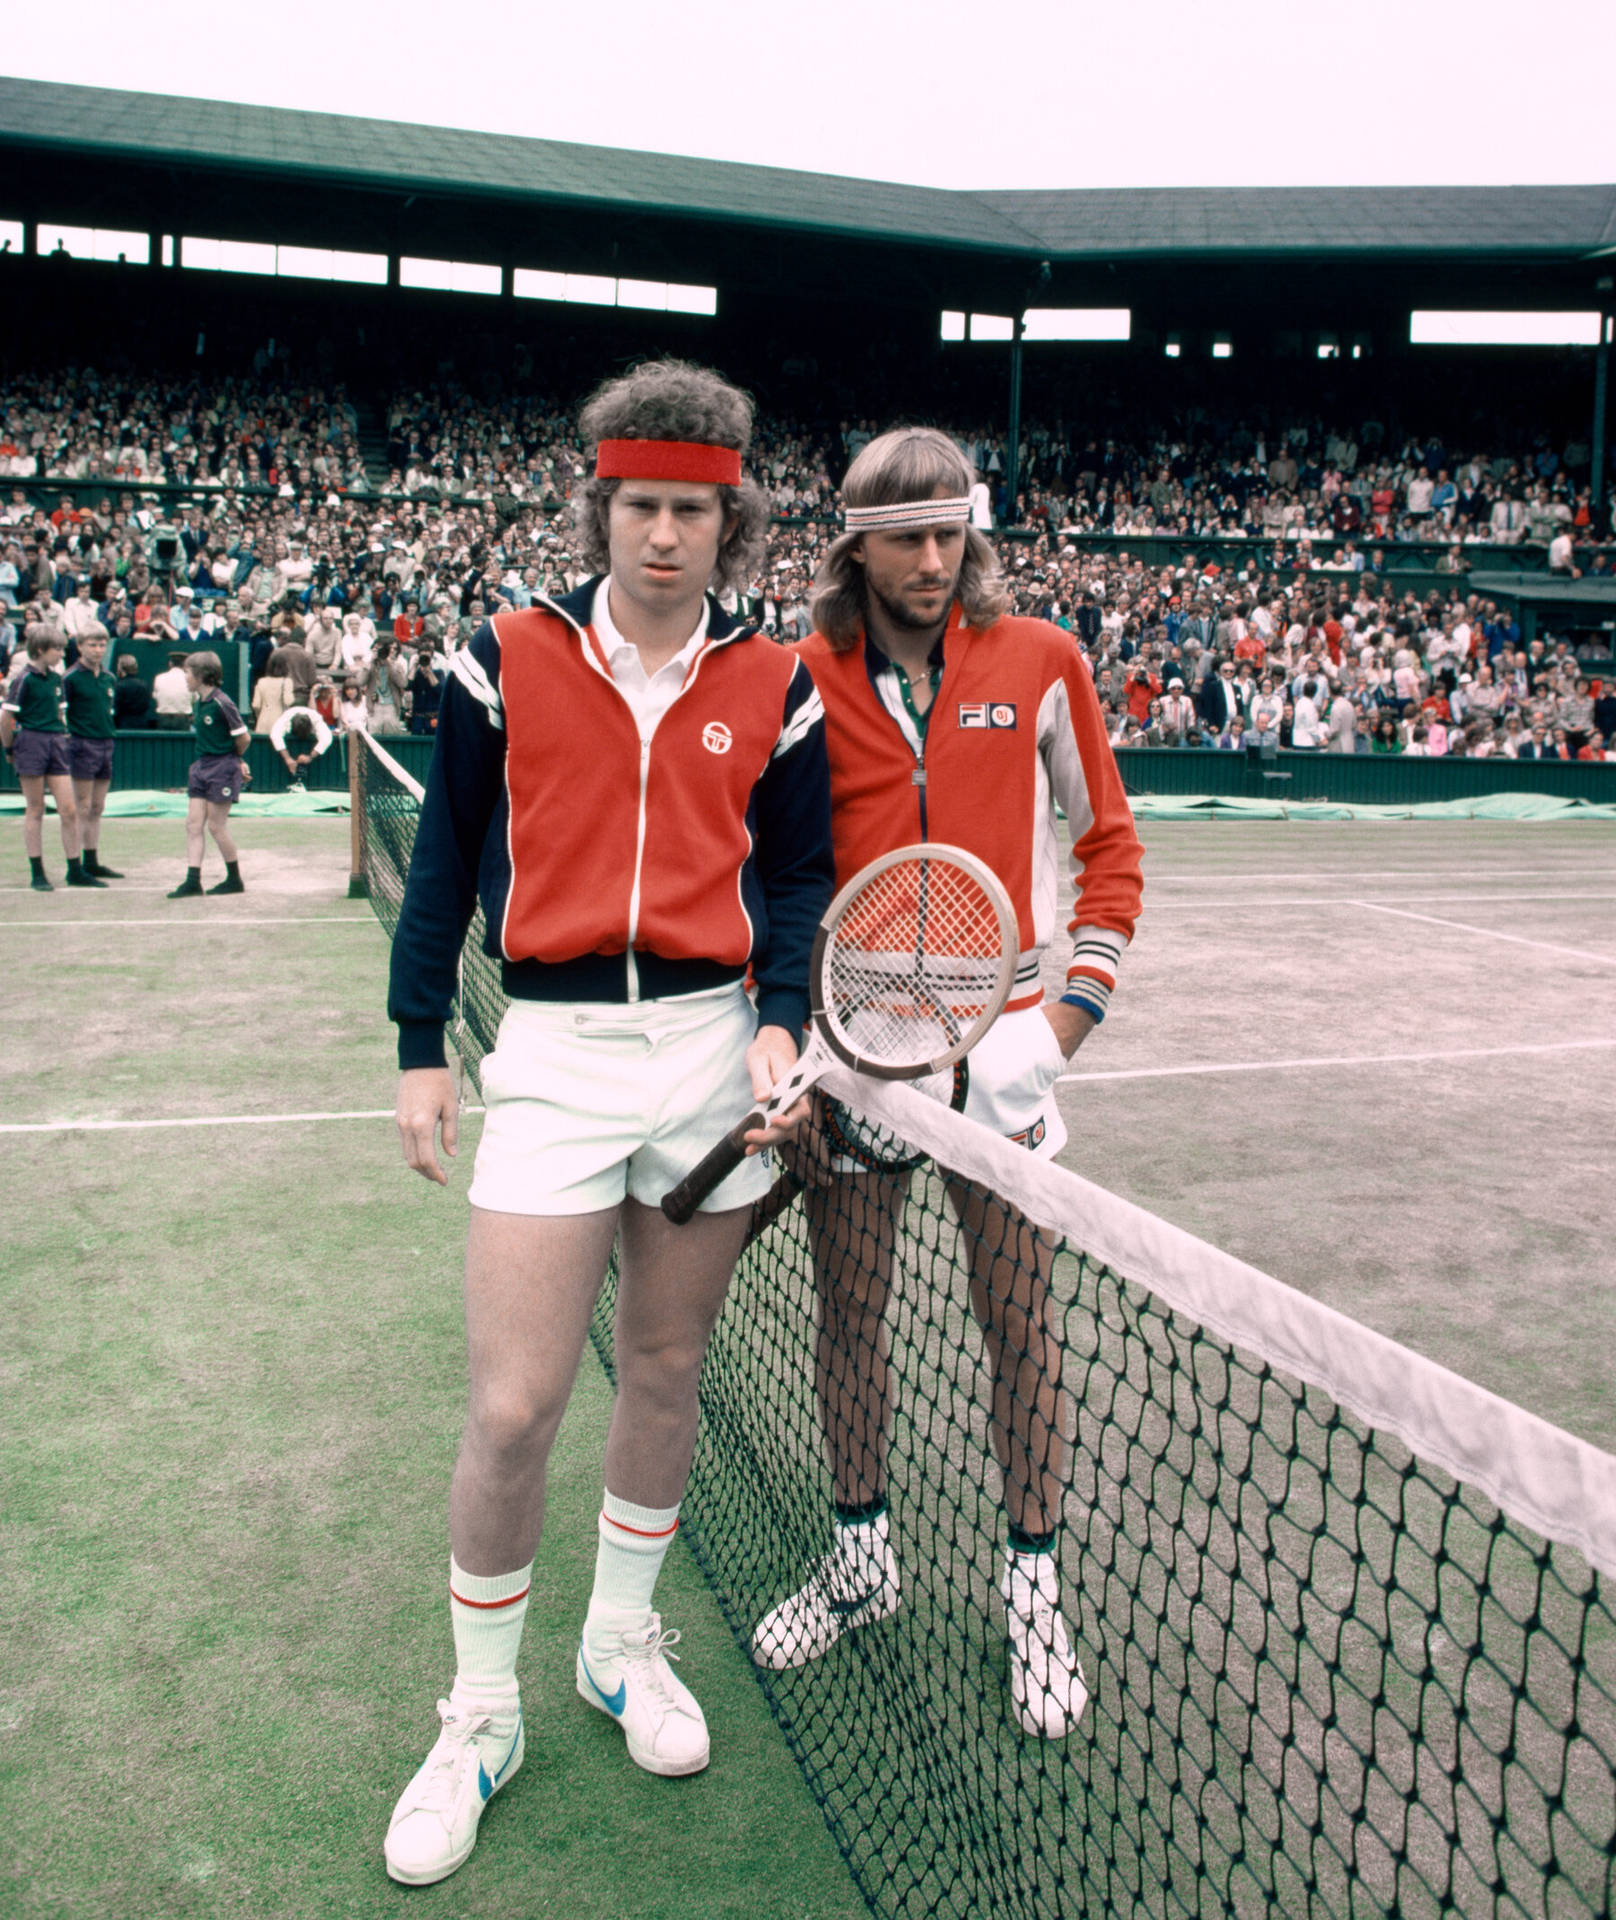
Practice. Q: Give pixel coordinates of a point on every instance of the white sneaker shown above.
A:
(434, 1825)
(627, 1675)
(855, 1585)
(1046, 1677)
(296, 786)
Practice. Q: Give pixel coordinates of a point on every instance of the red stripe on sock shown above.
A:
(639, 1532)
(487, 1605)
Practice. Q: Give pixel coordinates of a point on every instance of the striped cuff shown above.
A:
(1092, 975)
(488, 1592)
(647, 1528)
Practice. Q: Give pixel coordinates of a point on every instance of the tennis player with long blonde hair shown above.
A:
(949, 720)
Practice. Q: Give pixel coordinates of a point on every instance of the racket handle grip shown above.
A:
(682, 1201)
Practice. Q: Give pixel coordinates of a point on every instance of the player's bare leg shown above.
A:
(1011, 1263)
(852, 1234)
(672, 1284)
(531, 1285)
(670, 1292)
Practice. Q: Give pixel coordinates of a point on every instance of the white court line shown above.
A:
(1342, 900)
(201, 1120)
(1317, 876)
(1339, 1060)
(1130, 1073)
(1490, 933)
(213, 925)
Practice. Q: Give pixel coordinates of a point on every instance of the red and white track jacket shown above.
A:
(1014, 728)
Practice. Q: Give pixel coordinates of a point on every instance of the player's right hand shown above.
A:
(426, 1102)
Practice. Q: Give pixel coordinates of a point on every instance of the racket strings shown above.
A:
(914, 962)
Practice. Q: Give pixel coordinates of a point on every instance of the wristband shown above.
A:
(1095, 1012)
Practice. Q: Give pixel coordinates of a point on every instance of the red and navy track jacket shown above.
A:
(608, 872)
(1015, 726)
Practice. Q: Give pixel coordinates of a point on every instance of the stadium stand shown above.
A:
(1286, 586)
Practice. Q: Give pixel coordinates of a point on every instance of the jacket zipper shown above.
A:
(631, 965)
(639, 859)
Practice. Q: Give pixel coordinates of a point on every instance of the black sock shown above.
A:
(73, 864)
(857, 1516)
(1021, 1541)
(233, 869)
(193, 876)
(37, 866)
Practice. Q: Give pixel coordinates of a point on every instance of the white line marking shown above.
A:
(1490, 933)
(1342, 900)
(1340, 1060)
(1317, 876)
(214, 925)
(201, 1120)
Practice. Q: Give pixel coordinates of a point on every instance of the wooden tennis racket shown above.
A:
(913, 962)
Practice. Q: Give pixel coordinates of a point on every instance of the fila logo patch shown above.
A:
(986, 713)
(716, 737)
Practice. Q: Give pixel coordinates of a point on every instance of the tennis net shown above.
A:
(1347, 1621)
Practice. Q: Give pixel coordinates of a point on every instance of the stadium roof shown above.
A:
(1565, 223)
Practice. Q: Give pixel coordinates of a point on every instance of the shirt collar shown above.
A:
(612, 643)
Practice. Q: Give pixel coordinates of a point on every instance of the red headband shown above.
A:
(667, 460)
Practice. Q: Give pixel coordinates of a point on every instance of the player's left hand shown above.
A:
(769, 1059)
(1071, 1024)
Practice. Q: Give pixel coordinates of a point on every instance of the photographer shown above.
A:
(300, 736)
(387, 688)
(425, 691)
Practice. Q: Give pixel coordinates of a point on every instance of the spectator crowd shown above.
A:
(351, 586)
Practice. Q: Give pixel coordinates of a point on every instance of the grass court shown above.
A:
(1373, 1059)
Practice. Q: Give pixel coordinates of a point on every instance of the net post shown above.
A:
(358, 888)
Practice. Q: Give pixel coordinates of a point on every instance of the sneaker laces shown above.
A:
(653, 1652)
(446, 1763)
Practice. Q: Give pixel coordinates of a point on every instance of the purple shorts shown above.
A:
(90, 759)
(216, 777)
(39, 754)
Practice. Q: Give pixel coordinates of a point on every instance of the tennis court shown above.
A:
(1373, 1060)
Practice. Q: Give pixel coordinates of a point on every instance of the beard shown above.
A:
(904, 616)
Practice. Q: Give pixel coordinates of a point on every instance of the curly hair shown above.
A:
(674, 400)
(910, 463)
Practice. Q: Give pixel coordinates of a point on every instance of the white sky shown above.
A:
(1040, 94)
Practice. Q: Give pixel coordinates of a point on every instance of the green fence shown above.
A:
(1358, 779)
(160, 760)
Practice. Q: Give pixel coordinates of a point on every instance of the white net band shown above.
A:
(1543, 1477)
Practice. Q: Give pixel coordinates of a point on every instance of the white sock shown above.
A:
(634, 1542)
(487, 1611)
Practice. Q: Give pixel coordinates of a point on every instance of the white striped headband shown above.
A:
(908, 513)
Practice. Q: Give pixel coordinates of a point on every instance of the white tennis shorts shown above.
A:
(585, 1103)
(1012, 1073)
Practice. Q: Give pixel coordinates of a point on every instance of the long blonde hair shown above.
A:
(910, 463)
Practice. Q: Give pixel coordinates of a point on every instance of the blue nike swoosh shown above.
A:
(614, 1703)
(485, 1786)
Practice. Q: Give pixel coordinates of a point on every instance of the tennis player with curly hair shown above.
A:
(637, 789)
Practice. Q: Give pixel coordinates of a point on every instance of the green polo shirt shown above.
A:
(88, 698)
(35, 697)
(217, 724)
(888, 667)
